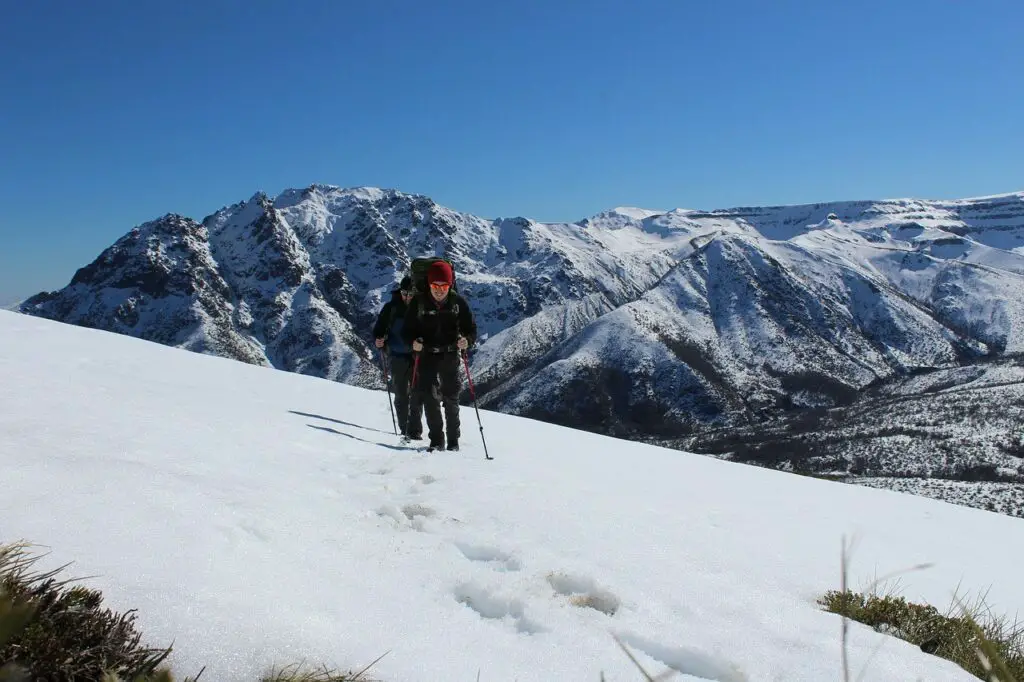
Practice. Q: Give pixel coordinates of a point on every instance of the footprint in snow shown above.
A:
(253, 531)
(239, 533)
(411, 515)
(494, 607)
(686, 660)
(417, 486)
(411, 511)
(501, 561)
(584, 592)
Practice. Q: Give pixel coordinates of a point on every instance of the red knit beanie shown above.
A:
(440, 271)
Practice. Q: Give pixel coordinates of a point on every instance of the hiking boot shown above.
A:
(453, 443)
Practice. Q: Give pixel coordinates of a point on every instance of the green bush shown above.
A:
(986, 646)
(51, 631)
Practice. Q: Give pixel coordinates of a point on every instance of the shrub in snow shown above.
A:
(49, 631)
(990, 648)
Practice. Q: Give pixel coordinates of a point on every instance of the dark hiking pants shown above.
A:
(401, 376)
(438, 382)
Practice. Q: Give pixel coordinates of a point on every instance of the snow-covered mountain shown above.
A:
(743, 327)
(633, 322)
(295, 282)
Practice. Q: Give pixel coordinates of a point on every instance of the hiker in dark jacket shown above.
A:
(439, 325)
(388, 332)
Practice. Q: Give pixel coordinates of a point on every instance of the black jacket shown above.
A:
(439, 325)
(389, 325)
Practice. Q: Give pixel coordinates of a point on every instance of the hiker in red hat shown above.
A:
(439, 326)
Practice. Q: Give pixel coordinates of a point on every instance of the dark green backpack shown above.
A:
(418, 271)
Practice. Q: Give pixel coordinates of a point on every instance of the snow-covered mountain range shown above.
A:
(632, 322)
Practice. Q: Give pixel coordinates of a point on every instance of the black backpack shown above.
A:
(418, 272)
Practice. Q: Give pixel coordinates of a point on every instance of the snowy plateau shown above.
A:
(874, 342)
(258, 517)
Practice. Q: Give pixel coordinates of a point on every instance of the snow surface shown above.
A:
(256, 516)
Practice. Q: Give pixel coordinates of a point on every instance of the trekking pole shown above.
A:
(387, 385)
(412, 387)
(472, 393)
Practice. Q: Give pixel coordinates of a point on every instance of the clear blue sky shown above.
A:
(114, 113)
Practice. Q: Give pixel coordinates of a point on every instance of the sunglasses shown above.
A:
(440, 286)
(406, 292)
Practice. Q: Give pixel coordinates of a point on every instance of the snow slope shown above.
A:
(256, 516)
